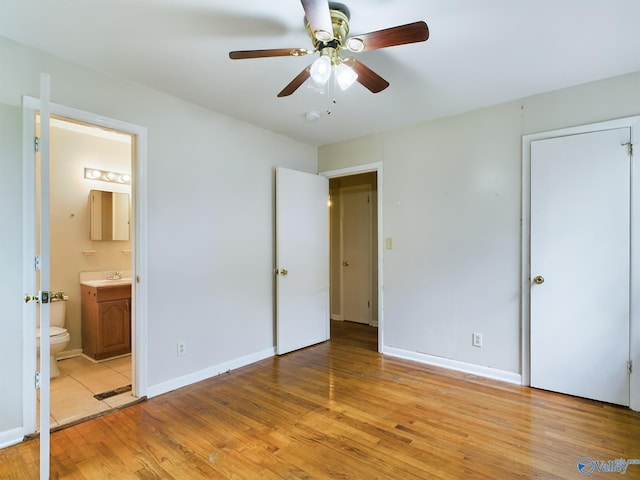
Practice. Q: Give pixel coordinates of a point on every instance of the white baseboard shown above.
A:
(336, 317)
(11, 437)
(478, 370)
(209, 372)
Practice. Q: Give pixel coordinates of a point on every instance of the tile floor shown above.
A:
(79, 380)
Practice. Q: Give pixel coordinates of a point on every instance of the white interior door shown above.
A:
(580, 264)
(302, 260)
(39, 284)
(356, 253)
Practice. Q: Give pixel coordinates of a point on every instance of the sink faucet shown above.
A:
(114, 276)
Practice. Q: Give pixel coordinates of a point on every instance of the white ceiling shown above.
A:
(480, 52)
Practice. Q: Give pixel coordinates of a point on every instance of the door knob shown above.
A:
(538, 279)
(46, 296)
(31, 298)
(284, 272)
(345, 264)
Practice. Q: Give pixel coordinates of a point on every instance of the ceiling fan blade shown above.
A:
(295, 83)
(319, 18)
(389, 37)
(367, 77)
(274, 52)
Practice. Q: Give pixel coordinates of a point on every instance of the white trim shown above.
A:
(634, 334)
(441, 362)
(11, 437)
(365, 168)
(139, 255)
(209, 372)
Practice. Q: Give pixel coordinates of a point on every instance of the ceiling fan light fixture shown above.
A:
(322, 35)
(321, 70)
(345, 76)
(355, 44)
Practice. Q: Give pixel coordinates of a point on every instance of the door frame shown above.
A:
(30, 106)
(525, 281)
(366, 168)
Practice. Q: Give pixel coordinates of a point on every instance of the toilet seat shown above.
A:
(57, 336)
(53, 332)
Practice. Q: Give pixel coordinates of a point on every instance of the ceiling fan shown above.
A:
(327, 24)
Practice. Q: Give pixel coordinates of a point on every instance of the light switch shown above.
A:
(389, 243)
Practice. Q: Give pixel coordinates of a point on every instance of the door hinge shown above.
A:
(36, 144)
(37, 380)
(629, 366)
(36, 263)
(629, 146)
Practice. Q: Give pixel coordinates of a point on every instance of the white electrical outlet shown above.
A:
(182, 349)
(477, 339)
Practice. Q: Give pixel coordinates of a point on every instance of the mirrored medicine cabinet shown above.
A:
(110, 214)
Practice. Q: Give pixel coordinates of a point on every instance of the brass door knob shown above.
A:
(345, 264)
(31, 298)
(284, 272)
(538, 279)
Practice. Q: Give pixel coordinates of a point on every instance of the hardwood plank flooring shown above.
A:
(339, 410)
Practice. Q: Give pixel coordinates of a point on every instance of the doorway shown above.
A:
(82, 129)
(86, 387)
(354, 248)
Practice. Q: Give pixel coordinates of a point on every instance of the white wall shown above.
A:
(11, 293)
(452, 203)
(210, 220)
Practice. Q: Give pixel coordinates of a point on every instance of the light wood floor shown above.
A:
(341, 411)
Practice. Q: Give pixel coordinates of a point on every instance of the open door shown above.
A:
(302, 260)
(38, 294)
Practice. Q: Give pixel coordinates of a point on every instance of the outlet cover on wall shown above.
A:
(477, 339)
(182, 348)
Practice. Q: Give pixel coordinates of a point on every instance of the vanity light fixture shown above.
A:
(107, 176)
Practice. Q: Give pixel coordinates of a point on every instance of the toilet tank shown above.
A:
(57, 312)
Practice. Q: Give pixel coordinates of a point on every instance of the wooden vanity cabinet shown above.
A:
(106, 321)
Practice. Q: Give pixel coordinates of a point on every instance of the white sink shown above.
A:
(107, 283)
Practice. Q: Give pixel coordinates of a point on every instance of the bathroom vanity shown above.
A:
(106, 318)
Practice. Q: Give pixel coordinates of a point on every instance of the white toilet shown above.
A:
(58, 335)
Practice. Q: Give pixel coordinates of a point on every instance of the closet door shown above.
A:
(580, 264)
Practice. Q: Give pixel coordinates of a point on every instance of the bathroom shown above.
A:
(74, 148)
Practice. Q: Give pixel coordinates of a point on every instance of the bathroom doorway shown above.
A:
(80, 246)
(79, 141)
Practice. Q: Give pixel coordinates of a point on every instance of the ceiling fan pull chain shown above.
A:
(329, 94)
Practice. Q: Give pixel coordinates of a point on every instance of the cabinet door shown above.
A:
(114, 337)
